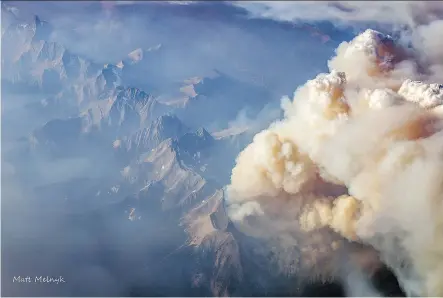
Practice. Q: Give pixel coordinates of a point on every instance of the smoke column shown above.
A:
(354, 171)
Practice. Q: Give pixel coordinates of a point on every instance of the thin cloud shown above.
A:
(409, 13)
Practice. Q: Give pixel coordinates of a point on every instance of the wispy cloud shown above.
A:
(389, 12)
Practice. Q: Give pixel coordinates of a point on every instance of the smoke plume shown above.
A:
(354, 171)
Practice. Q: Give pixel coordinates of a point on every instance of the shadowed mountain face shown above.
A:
(112, 173)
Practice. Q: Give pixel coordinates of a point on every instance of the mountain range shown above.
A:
(118, 174)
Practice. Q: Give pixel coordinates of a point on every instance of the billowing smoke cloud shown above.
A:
(355, 167)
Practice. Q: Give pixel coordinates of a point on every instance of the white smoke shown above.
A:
(355, 168)
(408, 13)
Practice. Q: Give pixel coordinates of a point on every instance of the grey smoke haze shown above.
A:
(195, 39)
(410, 13)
